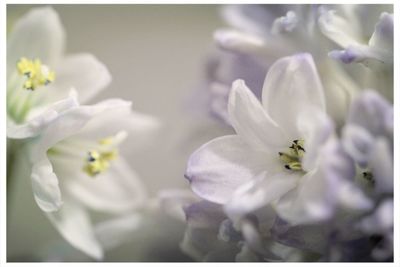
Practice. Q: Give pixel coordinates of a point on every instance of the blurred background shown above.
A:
(155, 54)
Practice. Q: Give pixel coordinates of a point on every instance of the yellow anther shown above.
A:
(292, 159)
(36, 73)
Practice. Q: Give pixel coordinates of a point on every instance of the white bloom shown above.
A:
(77, 167)
(285, 140)
(38, 72)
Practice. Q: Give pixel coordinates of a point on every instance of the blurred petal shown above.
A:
(312, 201)
(73, 223)
(204, 214)
(236, 41)
(38, 123)
(38, 34)
(358, 143)
(45, 186)
(173, 201)
(382, 38)
(114, 232)
(82, 71)
(220, 166)
(292, 84)
(371, 111)
(118, 190)
(381, 221)
(381, 163)
(250, 120)
(338, 29)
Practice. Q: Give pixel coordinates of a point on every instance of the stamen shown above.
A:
(36, 73)
(292, 159)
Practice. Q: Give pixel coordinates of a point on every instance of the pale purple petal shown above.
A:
(220, 166)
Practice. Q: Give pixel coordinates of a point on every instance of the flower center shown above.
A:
(292, 158)
(36, 73)
(99, 160)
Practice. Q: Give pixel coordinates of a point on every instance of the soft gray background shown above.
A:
(155, 54)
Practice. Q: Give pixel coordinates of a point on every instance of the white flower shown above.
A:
(38, 72)
(287, 142)
(77, 167)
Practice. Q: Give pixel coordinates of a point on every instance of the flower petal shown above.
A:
(358, 143)
(250, 120)
(338, 29)
(38, 34)
(258, 193)
(73, 223)
(71, 122)
(381, 163)
(315, 128)
(382, 38)
(45, 186)
(118, 190)
(292, 84)
(371, 111)
(83, 71)
(38, 123)
(116, 231)
(220, 166)
(309, 202)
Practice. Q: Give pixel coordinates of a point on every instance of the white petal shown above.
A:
(316, 128)
(382, 38)
(38, 123)
(237, 41)
(258, 193)
(38, 34)
(71, 122)
(114, 232)
(250, 120)
(74, 225)
(220, 166)
(141, 128)
(45, 185)
(381, 163)
(310, 202)
(82, 71)
(117, 190)
(292, 85)
(338, 29)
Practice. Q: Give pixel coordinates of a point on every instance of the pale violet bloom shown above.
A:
(260, 34)
(39, 73)
(77, 167)
(281, 145)
(368, 139)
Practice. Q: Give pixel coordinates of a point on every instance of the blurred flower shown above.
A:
(38, 72)
(258, 37)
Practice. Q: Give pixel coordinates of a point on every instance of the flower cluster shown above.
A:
(307, 174)
(72, 147)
